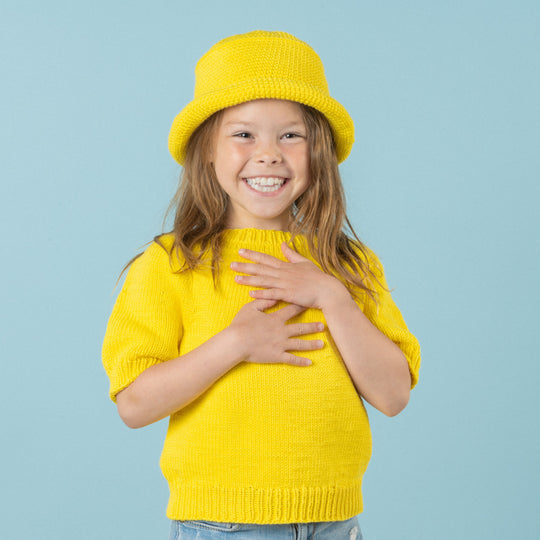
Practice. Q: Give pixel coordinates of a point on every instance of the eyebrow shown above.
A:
(241, 123)
(237, 123)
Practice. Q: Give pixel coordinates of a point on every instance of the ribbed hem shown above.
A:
(265, 506)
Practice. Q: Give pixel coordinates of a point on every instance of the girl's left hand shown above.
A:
(296, 281)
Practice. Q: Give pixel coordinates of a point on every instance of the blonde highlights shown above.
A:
(200, 203)
(320, 213)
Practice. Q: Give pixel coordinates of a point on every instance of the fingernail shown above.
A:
(320, 343)
(321, 327)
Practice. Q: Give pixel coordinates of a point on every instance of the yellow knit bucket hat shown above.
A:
(258, 65)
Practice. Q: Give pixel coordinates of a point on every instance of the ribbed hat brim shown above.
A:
(201, 108)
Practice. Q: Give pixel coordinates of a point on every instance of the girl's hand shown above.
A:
(266, 338)
(296, 281)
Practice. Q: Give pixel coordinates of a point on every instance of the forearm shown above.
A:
(253, 336)
(165, 388)
(377, 366)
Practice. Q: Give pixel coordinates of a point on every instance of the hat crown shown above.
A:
(260, 65)
(256, 56)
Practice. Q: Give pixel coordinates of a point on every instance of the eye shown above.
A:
(293, 135)
(242, 135)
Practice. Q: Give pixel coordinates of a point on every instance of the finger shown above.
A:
(291, 255)
(303, 329)
(254, 269)
(265, 294)
(263, 304)
(257, 281)
(294, 360)
(261, 258)
(275, 293)
(289, 311)
(305, 344)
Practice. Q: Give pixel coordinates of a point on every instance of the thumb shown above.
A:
(291, 255)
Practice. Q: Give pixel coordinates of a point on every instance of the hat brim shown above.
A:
(201, 108)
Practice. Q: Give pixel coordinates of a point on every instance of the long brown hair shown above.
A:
(200, 206)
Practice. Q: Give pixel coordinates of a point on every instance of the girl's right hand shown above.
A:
(266, 338)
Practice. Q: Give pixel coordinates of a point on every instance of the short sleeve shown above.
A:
(385, 315)
(145, 326)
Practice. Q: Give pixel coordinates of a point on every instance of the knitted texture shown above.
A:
(260, 65)
(267, 443)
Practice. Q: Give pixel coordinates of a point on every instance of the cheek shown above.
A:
(302, 163)
(229, 157)
(302, 155)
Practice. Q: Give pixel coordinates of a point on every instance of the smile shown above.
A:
(265, 184)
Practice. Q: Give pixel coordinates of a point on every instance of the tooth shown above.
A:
(265, 184)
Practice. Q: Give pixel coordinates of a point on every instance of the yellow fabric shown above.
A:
(259, 65)
(267, 443)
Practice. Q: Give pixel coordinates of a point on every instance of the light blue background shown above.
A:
(442, 183)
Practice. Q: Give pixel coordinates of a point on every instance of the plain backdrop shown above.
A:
(443, 183)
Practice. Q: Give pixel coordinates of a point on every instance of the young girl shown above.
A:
(257, 324)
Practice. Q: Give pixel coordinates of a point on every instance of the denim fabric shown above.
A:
(212, 530)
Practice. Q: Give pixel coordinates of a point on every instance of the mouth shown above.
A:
(265, 184)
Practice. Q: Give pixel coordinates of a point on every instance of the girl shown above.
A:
(258, 325)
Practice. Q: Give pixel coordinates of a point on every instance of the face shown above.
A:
(261, 159)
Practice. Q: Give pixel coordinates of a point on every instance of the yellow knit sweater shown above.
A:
(267, 443)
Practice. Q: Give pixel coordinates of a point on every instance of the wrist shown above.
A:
(234, 343)
(334, 295)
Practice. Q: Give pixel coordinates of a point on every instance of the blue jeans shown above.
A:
(212, 530)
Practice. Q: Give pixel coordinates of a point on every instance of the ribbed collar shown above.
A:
(266, 241)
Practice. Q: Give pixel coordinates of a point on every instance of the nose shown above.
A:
(268, 153)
